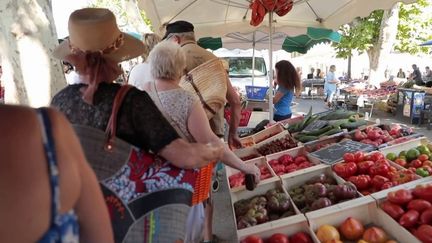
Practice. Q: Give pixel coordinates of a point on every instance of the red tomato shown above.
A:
(349, 157)
(301, 237)
(363, 167)
(409, 219)
(359, 156)
(345, 170)
(401, 162)
(423, 157)
(416, 163)
(419, 205)
(361, 181)
(286, 159)
(300, 159)
(278, 238)
(377, 156)
(400, 197)
(378, 181)
(395, 211)
(424, 192)
(426, 217)
(427, 162)
(252, 239)
(424, 233)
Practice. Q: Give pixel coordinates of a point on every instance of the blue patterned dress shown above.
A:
(63, 227)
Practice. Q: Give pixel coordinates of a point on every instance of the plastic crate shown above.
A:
(256, 92)
(245, 116)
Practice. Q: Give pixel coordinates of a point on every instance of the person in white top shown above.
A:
(140, 74)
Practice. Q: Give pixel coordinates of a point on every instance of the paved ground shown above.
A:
(224, 226)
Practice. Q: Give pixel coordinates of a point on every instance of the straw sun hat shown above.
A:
(95, 29)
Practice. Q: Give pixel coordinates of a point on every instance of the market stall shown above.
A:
(313, 87)
(323, 173)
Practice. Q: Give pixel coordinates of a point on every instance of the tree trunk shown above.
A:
(27, 38)
(134, 17)
(379, 53)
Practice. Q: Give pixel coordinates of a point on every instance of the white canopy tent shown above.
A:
(219, 17)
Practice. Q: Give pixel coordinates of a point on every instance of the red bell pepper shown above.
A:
(395, 211)
(361, 181)
(409, 219)
(345, 170)
(419, 205)
(424, 233)
(378, 181)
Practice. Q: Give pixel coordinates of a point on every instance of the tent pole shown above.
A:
(253, 58)
(271, 66)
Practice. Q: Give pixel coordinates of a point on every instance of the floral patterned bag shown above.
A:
(148, 198)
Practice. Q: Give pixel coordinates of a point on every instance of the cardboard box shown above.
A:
(287, 226)
(260, 190)
(366, 211)
(397, 148)
(247, 152)
(258, 162)
(267, 133)
(292, 181)
(295, 152)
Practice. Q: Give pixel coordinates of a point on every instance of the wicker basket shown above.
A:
(209, 82)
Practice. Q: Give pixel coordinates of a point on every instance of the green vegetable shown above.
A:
(422, 172)
(318, 132)
(353, 125)
(338, 122)
(338, 114)
(305, 138)
(331, 132)
(306, 119)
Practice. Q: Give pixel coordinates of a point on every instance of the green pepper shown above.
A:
(422, 172)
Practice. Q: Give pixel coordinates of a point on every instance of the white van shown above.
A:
(240, 68)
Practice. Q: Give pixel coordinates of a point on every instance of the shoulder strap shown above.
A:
(112, 123)
(156, 99)
(51, 157)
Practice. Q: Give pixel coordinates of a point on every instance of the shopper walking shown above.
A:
(95, 47)
(288, 83)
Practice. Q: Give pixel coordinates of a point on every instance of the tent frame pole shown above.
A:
(270, 66)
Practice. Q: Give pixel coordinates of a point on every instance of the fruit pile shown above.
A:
(277, 145)
(416, 160)
(300, 237)
(320, 192)
(287, 164)
(371, 173)
(353, 230)
(238, 179)
(376, 135)
(412, 209)
(275, 204)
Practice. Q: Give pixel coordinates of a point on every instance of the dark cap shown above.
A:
(178, 27)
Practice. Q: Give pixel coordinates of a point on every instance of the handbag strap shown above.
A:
(112, 123)
(156, 99)
(189, 78)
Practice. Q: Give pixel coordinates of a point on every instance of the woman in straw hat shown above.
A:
(95, 47)
(185, 112)
(47, 189)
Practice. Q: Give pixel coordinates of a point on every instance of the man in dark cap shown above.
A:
(182, 32)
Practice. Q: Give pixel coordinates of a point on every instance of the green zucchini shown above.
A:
(338, 122)
(353, 125)
(331, 132)
(305, 139)
(319, 131)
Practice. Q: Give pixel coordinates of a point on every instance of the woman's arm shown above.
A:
(199, 127)
(94, 221)
(277, 97)
(157, 133)
(235, 106)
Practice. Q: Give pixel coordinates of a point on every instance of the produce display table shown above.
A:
(299, 193)
(314, 85)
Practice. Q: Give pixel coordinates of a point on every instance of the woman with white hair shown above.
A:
(183, 110)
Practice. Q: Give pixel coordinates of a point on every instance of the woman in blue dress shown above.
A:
(288, 82)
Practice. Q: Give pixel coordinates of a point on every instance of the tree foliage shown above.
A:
(362, 34)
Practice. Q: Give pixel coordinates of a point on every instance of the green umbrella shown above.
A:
(302, 43)
(210, 43)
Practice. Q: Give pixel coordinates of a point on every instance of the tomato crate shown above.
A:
(267, 133)
(397, 148)
(288, 226)
(364, 210)
(260, 162)
(293, 153)
(399, 173)
(246, 154)
(247, 141)
(244, 119)
(243, 201)
(300, 186)
(398, 211)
